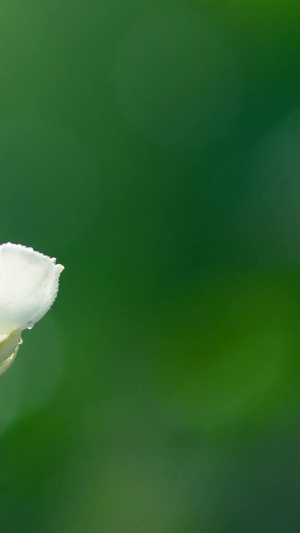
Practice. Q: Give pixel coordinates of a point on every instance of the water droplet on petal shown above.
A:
(30, 325)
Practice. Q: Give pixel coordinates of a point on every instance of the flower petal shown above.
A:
(28, 286)
(9, 345)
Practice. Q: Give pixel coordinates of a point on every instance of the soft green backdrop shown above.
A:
(154, 148)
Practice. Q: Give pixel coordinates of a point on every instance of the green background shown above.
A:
(154, 148)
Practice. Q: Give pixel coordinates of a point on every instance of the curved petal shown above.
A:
(28, 286)
(9, 345)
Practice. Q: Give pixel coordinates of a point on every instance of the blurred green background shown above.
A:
(154, 149)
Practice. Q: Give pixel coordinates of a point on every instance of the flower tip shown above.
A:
(59, 268)
(28, 287)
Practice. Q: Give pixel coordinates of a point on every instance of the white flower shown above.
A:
(28, 288)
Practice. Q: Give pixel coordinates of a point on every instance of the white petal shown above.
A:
(28, 286)
(9, 346)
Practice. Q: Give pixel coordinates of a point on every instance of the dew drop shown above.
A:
(30, 325)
